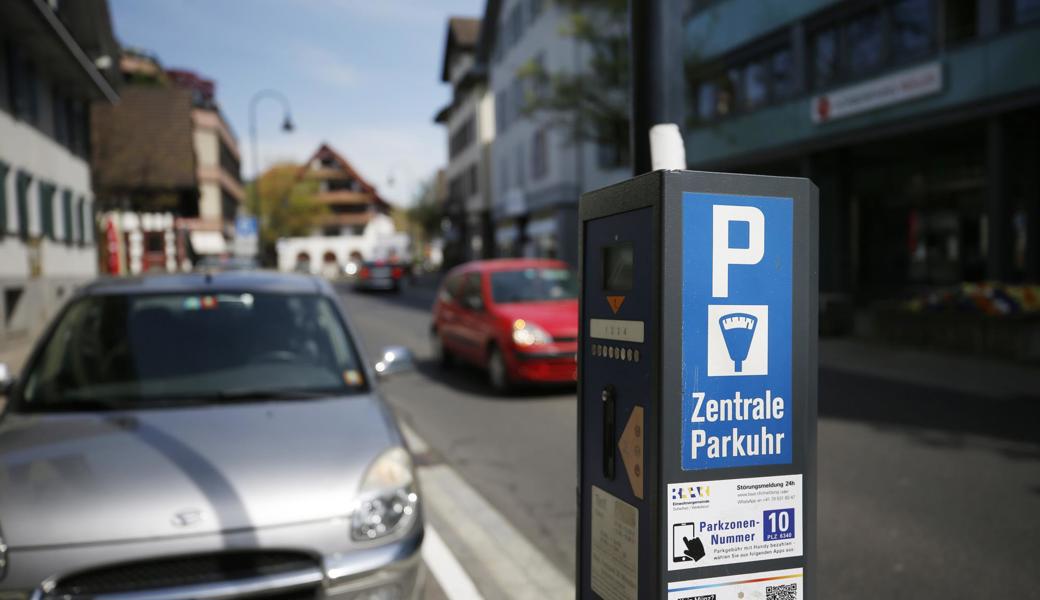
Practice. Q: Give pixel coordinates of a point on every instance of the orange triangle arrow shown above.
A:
(615, 302)
(631, 447)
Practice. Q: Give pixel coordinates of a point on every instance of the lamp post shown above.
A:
(287, 127)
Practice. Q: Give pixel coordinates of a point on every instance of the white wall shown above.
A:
(376, 242)
(24, 148)
(59, 267)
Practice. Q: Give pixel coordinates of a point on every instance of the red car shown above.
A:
(518, 318)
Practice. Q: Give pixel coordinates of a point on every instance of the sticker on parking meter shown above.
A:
(614, 569)
(734, 521)
(769, 585)
(736, 332)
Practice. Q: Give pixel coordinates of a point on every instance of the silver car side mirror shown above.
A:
(395, 359)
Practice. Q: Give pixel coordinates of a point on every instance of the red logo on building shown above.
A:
(823, 107)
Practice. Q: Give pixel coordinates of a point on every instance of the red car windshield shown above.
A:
(533, 285)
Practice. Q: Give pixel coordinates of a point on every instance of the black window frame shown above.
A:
(66, 216)
(23, 183)
(81, 220)
(47, 191)
(4, 170)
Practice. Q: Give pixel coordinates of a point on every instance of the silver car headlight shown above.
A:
(388, 500)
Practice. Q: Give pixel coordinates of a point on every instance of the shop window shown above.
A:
(825, 58)
(911, 29)
(782, 66)
(864, 46)
(961, 20)
(1022, 12)
(756, 85)
(706, 100)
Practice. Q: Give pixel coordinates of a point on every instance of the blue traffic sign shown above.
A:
(736, 331)
(245, 227)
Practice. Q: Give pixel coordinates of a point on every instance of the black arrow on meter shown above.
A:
(694, 548)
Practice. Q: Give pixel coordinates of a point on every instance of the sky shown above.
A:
(361, 75)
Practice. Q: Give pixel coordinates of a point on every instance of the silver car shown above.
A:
(205, 436)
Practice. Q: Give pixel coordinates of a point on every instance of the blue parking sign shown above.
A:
(736, 331)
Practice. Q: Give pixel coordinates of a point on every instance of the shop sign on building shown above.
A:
(877, 93)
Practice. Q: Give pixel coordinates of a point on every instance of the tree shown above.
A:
(591, 105)
(286, 205)
(424, 214)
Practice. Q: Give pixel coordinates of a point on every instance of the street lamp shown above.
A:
(287, 127)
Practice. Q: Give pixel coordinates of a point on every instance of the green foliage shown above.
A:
(425, 214)
(286, 206)
(591, 106)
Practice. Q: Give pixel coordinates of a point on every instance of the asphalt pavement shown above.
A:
(924, 492)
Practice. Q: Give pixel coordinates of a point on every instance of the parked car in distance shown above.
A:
(517, 318)
(207, 435)
(377, 275)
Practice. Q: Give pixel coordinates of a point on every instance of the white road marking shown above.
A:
(415, 443)
(453, 579)
(518, 568)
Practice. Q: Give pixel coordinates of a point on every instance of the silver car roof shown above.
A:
(233, 281)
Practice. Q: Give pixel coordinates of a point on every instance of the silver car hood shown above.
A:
(73, 478)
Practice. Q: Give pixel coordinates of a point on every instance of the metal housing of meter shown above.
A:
(697, 388)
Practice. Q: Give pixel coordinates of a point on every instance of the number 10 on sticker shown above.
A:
(779, 524)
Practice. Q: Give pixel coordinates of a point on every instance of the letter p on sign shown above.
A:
(722, 255)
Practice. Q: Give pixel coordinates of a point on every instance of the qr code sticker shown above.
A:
(782, 592)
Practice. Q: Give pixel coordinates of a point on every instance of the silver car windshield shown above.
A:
(140, 351)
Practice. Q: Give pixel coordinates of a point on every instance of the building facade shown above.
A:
(470, 123)
(538, 173)
(357, 225)
(918, 119)
(167, 169)
(49, 75)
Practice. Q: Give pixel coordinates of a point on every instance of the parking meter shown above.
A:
(697, 388)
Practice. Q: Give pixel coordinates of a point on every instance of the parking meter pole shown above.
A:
(648, 86)
(697, 388)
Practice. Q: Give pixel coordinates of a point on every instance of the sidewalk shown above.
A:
(974, 375)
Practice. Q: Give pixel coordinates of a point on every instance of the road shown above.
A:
(923, 493)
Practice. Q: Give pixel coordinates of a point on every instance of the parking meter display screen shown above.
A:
(617, 267)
